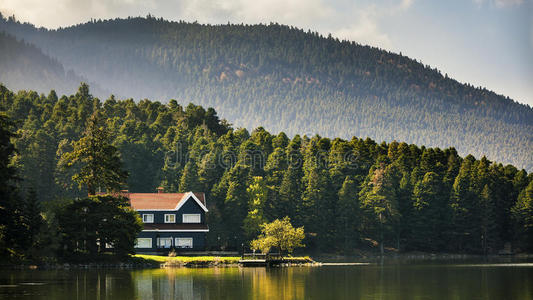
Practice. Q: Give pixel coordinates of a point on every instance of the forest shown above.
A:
(273, 76)
(347, 194)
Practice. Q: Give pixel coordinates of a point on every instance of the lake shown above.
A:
(422, 280)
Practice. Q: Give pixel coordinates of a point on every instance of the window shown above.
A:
(164, 242)
(148, 218)
(170, 218)
(191, 218)
(143, 243)
(183, 242)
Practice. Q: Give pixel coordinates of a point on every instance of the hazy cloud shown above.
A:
(365, 30)
(499, 3)
(508, 2)
(285, 11)
(354, 20)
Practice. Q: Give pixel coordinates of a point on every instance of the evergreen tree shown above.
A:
(430, 213)
(189, 179)
(523, 216)
(8, 196)
(378, 200)
(347, 219)
(33, 222)
(100, 161)
(465, 208)
(291, 187)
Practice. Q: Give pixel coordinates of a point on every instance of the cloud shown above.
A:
(405, 4)
(283, 11)
(502, 3)
(499, 3)
(365, 30)
(354, 20)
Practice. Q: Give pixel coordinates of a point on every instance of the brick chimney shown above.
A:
(160, 190)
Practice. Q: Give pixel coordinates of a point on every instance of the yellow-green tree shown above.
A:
(257, 195)
(280, 234)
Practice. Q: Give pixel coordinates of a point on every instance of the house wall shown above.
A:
(190, 207)
(199, 239)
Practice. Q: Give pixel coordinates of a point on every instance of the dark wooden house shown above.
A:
(171, 220)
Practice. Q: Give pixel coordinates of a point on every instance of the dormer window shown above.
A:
(170, 218)
(191, 218)
(148, 218)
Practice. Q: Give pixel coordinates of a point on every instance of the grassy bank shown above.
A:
(208, 261)
(187, 261)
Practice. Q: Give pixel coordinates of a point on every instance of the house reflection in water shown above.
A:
(217, 283)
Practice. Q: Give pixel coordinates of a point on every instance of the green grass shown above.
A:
(187, 259)
(208, 260)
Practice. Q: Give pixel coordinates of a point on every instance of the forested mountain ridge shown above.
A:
(286, 79)
(24, 65)
(344, 192)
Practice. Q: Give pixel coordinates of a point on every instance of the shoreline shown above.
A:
(161, 262)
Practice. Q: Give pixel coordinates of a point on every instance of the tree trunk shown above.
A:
(91, 190)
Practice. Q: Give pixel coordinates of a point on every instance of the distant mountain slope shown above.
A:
(24, 66)
(286, 79)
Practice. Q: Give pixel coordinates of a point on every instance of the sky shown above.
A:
(486, 43)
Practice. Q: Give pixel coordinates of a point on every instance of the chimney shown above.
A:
(160, 190)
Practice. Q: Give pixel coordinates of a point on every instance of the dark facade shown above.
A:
(182, 229)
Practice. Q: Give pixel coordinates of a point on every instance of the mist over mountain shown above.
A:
(23, 65)
(280, 77)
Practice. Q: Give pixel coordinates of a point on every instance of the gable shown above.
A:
(191, 199)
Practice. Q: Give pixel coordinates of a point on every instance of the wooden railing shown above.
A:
(267, 257)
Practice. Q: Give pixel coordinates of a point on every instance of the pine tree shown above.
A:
(100, 161)
(189, 179)
(378, 200)
(523, 217)
(465, 208)
(430, 213)
(488, 224)
(347, 215)
(33, 222)
(8, 197)
(290, 190)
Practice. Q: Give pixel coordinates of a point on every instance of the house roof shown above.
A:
(163, 201)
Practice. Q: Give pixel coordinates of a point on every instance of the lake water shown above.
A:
(375, 281)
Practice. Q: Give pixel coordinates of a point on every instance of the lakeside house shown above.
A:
(171, 220)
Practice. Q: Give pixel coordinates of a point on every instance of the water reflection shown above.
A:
(393, 281)
(221, 283)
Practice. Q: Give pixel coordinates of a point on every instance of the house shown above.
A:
(171, 220)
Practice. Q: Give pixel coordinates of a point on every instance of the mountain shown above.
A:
(24, 65)
(287, 79)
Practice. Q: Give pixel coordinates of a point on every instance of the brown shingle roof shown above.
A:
(159, 200)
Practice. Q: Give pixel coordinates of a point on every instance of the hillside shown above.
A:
(25, 65)
(290, 80)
